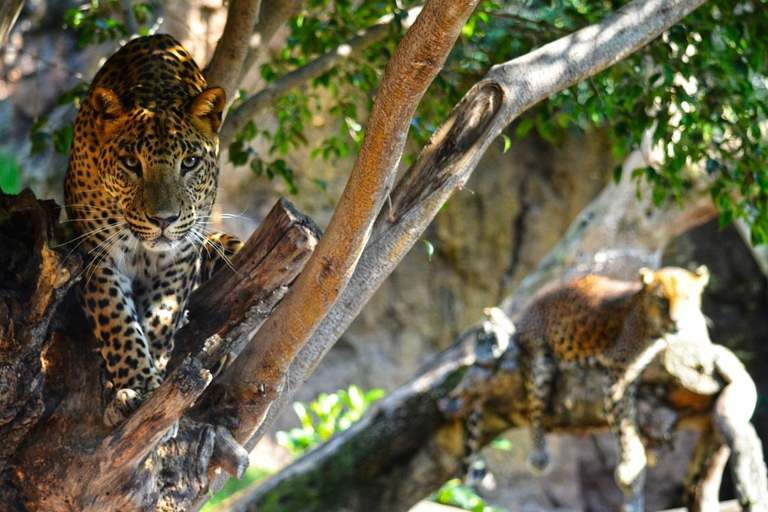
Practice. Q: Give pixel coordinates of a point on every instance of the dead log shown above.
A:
(69, 460)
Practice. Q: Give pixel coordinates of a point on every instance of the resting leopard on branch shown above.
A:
(142, 178)
(615, 325)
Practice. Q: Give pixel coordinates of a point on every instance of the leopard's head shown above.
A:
(671, 298)
(159, 162)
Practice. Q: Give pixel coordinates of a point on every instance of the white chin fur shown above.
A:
(159, 245)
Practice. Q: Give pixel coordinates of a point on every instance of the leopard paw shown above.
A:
(125, 401)
(538, 462)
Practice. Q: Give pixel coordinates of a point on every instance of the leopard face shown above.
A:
(144, 159)
(161, 169)
(670, 299)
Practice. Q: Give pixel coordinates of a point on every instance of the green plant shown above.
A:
(454, 494)
(10, 175)
(328, 414)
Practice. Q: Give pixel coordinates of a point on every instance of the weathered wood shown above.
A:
(33, 281)
(226, 309)
(70, 460)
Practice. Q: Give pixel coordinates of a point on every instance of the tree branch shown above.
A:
(447, 162)
(266, 97)
(9, 11)
(224, 69)
(257, 376)
(413, 441)
(130, 18)
(273, 15)
(72, 459)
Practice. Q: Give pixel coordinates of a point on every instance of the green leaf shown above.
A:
(430, 249)
(507, 142)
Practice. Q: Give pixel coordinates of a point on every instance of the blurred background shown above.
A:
(514, 209)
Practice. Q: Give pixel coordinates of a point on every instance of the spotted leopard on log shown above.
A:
(141, 181)
(614, 325)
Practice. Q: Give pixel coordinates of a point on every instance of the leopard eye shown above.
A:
(132, 164)
(189, 164)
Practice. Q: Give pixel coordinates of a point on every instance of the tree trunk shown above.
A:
(69, 460)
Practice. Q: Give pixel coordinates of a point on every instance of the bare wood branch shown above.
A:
(446, 163)
(266, 97)
(257, 376)
(273, 15)
(128, 446)
(224, 69)
(271, 258)
(9, 11)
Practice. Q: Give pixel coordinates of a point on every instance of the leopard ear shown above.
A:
(646, 276)
(106, 104)
(208, 106)
(703, 274)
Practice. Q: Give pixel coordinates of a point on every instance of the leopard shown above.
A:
(617, 326)
(139, 188)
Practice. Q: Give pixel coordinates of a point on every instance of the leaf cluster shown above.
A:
(698, 92)
(326, 415)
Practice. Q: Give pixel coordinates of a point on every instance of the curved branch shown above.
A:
(273, 15)
(9, 11)
(224, 69)
(446, 163)
(257, 376)
(264, 99)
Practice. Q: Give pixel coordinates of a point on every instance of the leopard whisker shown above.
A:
(220, 250)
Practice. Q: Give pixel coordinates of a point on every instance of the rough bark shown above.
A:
(413, 441)
(69, 460)
(446, 163)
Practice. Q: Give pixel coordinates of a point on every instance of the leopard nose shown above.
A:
(163, 220)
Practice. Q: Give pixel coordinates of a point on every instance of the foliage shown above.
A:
(10, 175)
(328, 414)
(93, 21)
(699, 90)
(455, 494)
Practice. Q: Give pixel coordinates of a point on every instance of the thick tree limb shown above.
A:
(446, 163)
(33, 281)
(228, 58)
(257, 376)
(70, 460)
(266, 97)
(413, 441)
